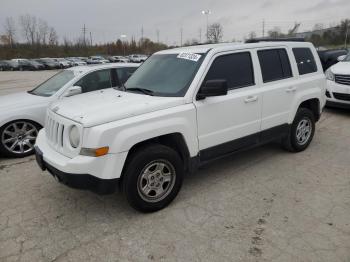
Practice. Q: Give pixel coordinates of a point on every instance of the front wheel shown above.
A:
(17, 138)
(152, 178)
(301, 132)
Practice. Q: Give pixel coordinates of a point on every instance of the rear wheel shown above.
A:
(17, 138)
(152, 178)
(301, 132)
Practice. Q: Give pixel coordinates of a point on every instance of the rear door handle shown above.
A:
(291, 89)
(250, 99)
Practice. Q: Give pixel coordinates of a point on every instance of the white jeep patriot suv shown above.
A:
(180, 109)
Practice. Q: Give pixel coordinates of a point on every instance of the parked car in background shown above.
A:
(97, 60)
(137, 58)
(182, 108)
(49, 63)
(23, 114)
(111, 59)
(121, 59)
(330, 57)
(28, 64)
(338, 83)
(4, 66)
(64, 63)
(76, 61)
(12, 65)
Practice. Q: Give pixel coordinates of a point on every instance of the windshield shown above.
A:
(53, 84)
(166, 74)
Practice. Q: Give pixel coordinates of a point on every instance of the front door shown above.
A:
(228, 123)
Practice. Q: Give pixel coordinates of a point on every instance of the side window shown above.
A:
(125, 73)
(275, 64)
(236, 68)
(305, 60)
(95, 81)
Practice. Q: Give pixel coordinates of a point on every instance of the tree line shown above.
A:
(334, 36)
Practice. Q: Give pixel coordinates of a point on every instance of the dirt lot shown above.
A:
(261, 205)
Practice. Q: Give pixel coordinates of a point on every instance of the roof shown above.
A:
(230, 46)
(87, 68)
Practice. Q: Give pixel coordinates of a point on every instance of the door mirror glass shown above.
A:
(341, 58)
(74, 90)
(216, 87)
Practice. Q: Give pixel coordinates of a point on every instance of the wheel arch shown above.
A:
(176, 141)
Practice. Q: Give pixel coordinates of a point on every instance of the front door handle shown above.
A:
(250, 99)
(291, 89)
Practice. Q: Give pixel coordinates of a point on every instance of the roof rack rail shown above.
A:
(290, 39)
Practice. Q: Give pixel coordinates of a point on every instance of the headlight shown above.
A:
(74, 137)
(329, 75)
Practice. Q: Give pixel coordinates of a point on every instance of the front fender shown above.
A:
(122, 135)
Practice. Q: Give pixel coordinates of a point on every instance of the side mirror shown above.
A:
(213, 88)
(341, 58)
(72, 91)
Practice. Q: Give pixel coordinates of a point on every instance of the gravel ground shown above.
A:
(260, 205)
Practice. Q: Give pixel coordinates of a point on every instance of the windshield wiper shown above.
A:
(142, 90)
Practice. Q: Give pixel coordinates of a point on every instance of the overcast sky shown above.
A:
(108, 19)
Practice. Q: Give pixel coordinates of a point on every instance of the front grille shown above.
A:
(54, 132)
(341, 96)
(342, 79)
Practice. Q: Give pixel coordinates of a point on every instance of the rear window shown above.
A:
(274, 64)
(305, 60)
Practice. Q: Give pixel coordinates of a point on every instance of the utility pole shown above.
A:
(181, 31)
(90, 38)
(157, 35)
(142, 33)
(200, 35)
(263, 28)
(346, 34)
(207, 13)
(84, 34)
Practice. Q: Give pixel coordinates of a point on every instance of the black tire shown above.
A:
(4, 151)
(291, 142)
(136, 164)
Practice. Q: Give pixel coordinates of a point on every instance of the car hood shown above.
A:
(341, 68)
(100, 107)
(20, 100)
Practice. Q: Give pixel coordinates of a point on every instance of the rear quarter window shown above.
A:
(305, 60)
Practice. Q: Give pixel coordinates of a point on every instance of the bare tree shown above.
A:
(318, 26)
(29, 27)
(53, 38)
(275, 32)
(215, 33)
(42, 32)
(251, 35)
(10, 30)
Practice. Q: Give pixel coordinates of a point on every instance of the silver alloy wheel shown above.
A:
(19, 137)
(303, 131)
(156, 181)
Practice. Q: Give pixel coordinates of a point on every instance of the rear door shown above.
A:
(279, 86)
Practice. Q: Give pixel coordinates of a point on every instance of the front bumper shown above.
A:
(78, 181)
(334, 88)
(98, 174)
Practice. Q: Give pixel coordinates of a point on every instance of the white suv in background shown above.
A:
(180, 109)
(23, 114)
(338, 83)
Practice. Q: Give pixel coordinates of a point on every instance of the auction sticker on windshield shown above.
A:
(189, 56)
